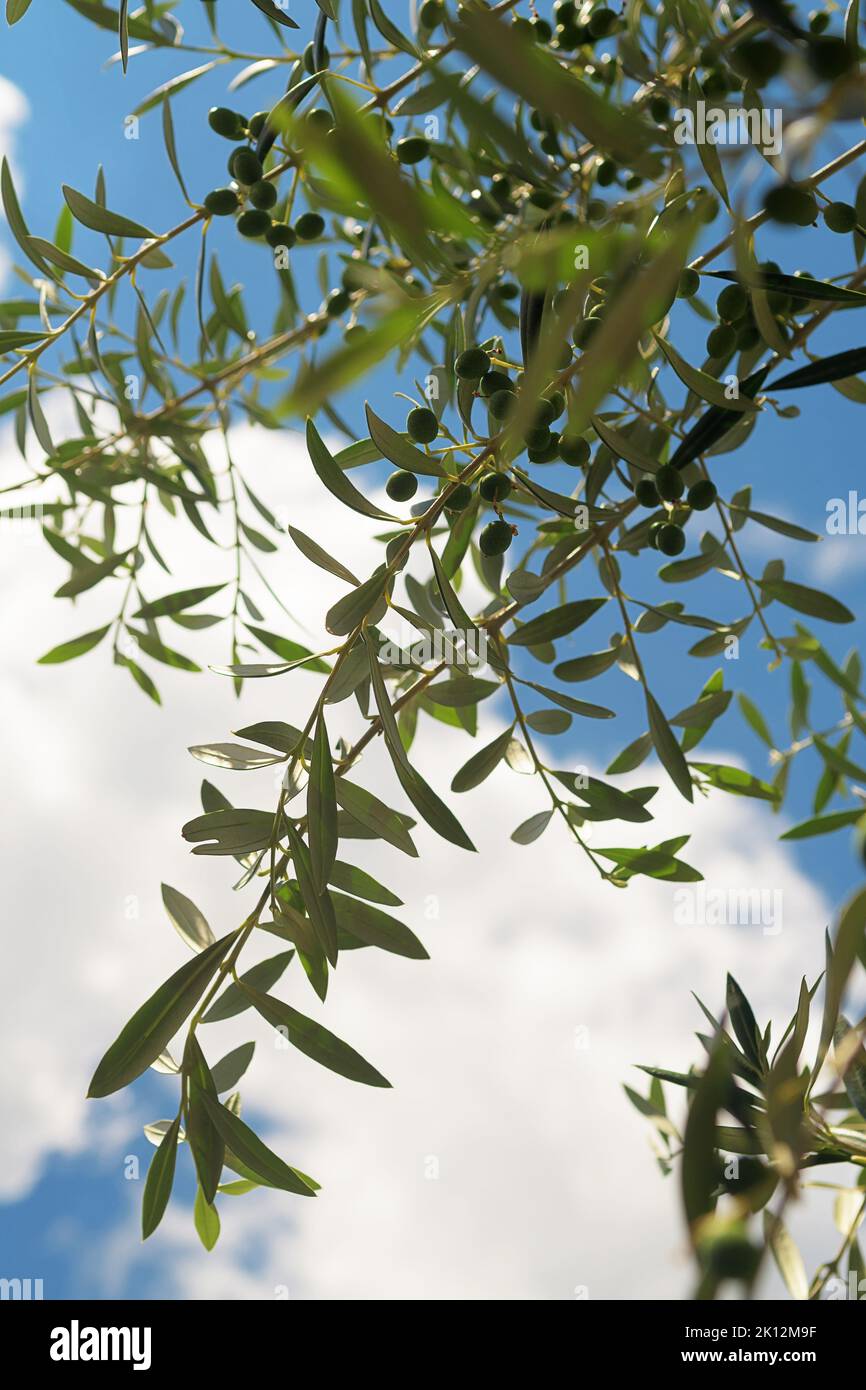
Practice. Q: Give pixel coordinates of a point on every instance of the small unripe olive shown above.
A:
(689, 283)
(253, 223)
(573, 450)
(472, 364)
(309, 226)
(337, 303)
(660, 109)
(721, 340)
(412, 149)
(544, 413)
(221, 202)
(840, 217)
(432, 13)
(547, 452)
(495, 538)
(601, 23)
(732, 303)
(760, 60)
(605, 173)
(257, 124)
(829, 57)
(460, 498)
(401, 486)
(748, 337)
(537, 438)
(646, 493)
(245, 166)
(818, 21)
(670, 540)
(654, 530)
(790, 205)
(263, 194)
(501, 404)
(669, 483)
(495, 487)
(280, 234)
(320, 120)
(422, 425)
(701, 495)
(225, 122)
(493, 381)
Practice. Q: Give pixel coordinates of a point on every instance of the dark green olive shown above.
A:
(689, 283)
(337, 303)
(279, 234)
(671, 540)
(702, 495)
(472, 364)
(573, 450)
(602, 22)
(791, 205)
(494, 381)
(263, 194)
(401, 486)
(721, 341)
(245, 166)
(495, 487)
(669, 483)
(412, 149)
(460, 498)
(495, 538)
(840, 217)
(422, 425)
(646, 493)
(226, 122)
(432, 13)
(309, 226)
(501, 404)
(253, 223)
(221, 202)
(732, 303)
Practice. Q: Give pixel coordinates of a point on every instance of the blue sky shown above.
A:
(67, 1216)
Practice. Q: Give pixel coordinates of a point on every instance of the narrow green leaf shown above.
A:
(256, 1156)
(669, 752)
(482, 763)
(152, 1027)
(805, 600)
(322, 808)
(335, 479)
(233, 1001)
(206, 1220)
(99, 219)
(189, 923)
(159, 1181)
(78, 646)
(315, 1041)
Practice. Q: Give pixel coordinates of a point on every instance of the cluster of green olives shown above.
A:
(568, 31)
(667, 486)
(544, 444)
(256, 195)
(737, 329)
(795, 205)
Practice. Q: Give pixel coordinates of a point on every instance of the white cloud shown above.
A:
(546, 1180)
